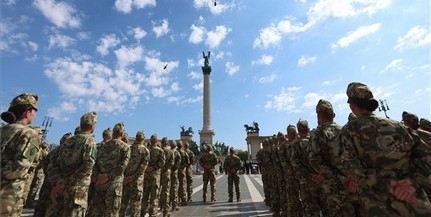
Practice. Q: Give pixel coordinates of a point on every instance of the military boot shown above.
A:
(230, 199)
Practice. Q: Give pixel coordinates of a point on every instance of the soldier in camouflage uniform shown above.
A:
(108, 175)
(17, 139)
(276, 176)
(293, 203)
(425, 124)
(267, 160)
(381, 161)
(133, 183)
(152, 178)
(70, 171)
(208, 161)
(38, 175)
(45, 191)
(165, 177)
(189, 171)
(232, 164)
(182, 182)
(106, 135)
(260, 157)
(173, 194)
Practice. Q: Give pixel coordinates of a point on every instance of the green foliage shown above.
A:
(195, 148)
(243, 155)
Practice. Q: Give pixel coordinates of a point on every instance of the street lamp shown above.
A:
(47, 122)
(383, 107)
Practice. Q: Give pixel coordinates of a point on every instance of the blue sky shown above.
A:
(271, 61)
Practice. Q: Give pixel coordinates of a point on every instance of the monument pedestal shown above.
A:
(253, 145)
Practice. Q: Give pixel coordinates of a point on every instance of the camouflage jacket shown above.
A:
(232, 162)
(177, 159)
(191, 155)
(299, 158)
(139, 158)
(208, 160)
(260, 155)
(157, 158)
(169, 158)
(184, 159)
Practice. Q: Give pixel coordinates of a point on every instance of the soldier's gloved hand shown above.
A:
(59, 186)
(102, 179)
(351, 185)
(317, 179)
(403, 190)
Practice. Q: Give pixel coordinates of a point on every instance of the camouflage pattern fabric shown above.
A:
(173, 194)
(232, 164)
(208, 161)
(182, 182)
(165, 179)
(189, 174)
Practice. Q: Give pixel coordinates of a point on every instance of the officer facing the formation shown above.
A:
(133, 184)
(381, 162)
(70, 171)
(17, 139)
(108, 175)
(232, 164)
(208, 161)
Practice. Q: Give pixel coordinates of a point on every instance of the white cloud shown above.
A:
(138, 33)
(157, 75)
(62, 41)
(356, 35)
(214, 38)
(267, 36)
(284, 101)
(107, 42)
(64, 107)
(231, 68)
(264, 60)
(267, 79)
(311, 100)
(195, 75)
(126, 6)
(218, 9)
(417, 36)
(33, 45)
(394, 65)
(60, 14)
(197, 34)
(304, 60)
(127, 55)
(162, 29)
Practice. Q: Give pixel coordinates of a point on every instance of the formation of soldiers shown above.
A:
(371, 166)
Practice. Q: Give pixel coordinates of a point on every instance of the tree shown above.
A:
(195, 148)
(243, 155)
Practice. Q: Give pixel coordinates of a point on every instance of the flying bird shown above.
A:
(166, 66)
(215, 3)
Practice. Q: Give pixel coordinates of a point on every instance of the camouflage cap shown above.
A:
(25, 99)
(107, 132)
(119, 128)
(280, 135)
(425, 124)
(89, 118)
(410, 119)
(291, 129)
(77, 130)
(231, 150)
(65, 137)
(351, 117)
(154, 137)
(358, 90)
(140, 135)
(302, 124)
(325, 107)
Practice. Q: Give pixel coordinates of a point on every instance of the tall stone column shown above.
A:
(207, 133)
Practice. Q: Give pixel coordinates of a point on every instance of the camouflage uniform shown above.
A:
(189, 172)
(70, 171)
(293, 203)
(425, 124)
(381, 159)
(37, 177)
(165, 177)
(133, 183)
(182, 183)
(173, 194)
(19, 146)
(108, 175)
(267, 160)
(152, 178)
(283, 159)
(277, 177)
(260, 157)
(208, 161)
(232, 164)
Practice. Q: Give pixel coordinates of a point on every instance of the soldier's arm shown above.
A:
(161, 160)
(421, 160)
(123, 162)
(88, 159)
(142, 164)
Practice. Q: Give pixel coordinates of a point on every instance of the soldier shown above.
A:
(17, 139)
(106, 135)
(70, 171)
(152, 178)
(108, 175)
(232, 164)
(380, 160)
(133, 183)
(208, 161)
(189, 171)
(260, 157)
(182, 182)
(165, 177)
(45, 191)
(277, 177)
(425, 124)
(77, 130)
(293, 203)
(173, 194)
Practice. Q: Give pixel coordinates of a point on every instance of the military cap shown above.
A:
(410, 119)
(77, 130)
(351, 117)
(325, 107)
(291, 129)
(280, 135)
(25, 99)
(89, 118)
(119, 128)
(302, 124)
(231, 150)
(173, 143)
(425, 124)
(107, 132)
(154, 137)
(65, 137)
(165, 138)
(140, 135)
(359, 91)
(179, 144)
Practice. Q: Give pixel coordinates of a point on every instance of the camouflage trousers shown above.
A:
(275, 193)
(106, 200)
(11, 197)
(335, 199)
(266, 183)
(34, 186)
(165, 182)
(132, 197)
(173, 193)
(72, 201)
(309, 197)
(189, 178)
(233, 179)
(151, 193)
(294, 206)
(43, 201)
(182, 183)
(209, 176)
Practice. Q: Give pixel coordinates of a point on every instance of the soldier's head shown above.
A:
(39, 132)
(118, 131)
(324, 111)
(22, 108)
(154, 140)
(125, 138)
(77, 130)
(209, 148)
(302, 126)
(281, 137)
(410, 120)
(292, 134)
(88, 122)
(425, 124)
(140, 137)
(165, 141)
(107, 134)
(361, 99)
(173, 144)
(186, 145)
(351, 117)
(180, 144)
(232, 151)
(65, 137)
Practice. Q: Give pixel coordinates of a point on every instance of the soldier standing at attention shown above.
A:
(189, 171)
(182, 182)
(165, 177)
(17, 139)
(152, 178)
(108, 175)
(260, 157)
(293, 203)
(232, 164)
(70, 171)
(106, 135)
(173, 194)
(208, 161)
(133, 183)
